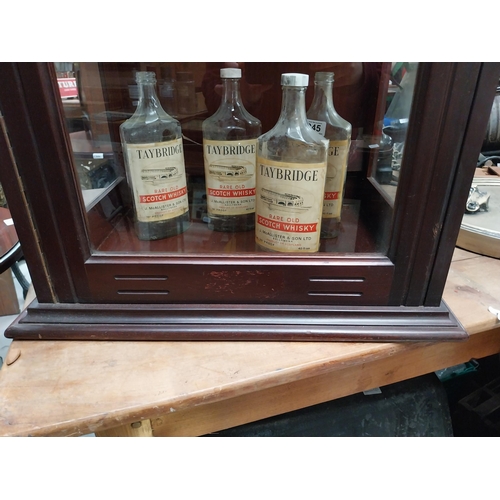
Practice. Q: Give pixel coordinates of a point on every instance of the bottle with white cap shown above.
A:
(291, 173)
(323, 118)
(229, 154)
(154, 159)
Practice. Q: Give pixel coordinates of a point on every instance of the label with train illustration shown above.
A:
(230, 176)
(289, 202)
(335, 177)
(158, 180)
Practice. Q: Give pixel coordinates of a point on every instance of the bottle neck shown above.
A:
(323, 95)
(293, 106)
(231, 91)
(147, 96)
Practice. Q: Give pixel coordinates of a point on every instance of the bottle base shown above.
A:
(151, 231)
(330, 228)
(261, 248)
(232, 224)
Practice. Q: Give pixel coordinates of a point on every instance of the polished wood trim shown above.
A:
(484, 94)
(41, 152)
(446, 128)
(21, 212)
(235, 322)
(238, 279)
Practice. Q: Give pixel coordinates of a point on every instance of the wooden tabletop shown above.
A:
(191, 388)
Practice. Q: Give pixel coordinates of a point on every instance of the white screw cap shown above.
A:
(230, 73)
(294, 79)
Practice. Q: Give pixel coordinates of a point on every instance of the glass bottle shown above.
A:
(323, 118)
(186, 93)
(230, 153)
(383, 166)
(154, 159)
(168, 92)
(291, 173)
(133, 91)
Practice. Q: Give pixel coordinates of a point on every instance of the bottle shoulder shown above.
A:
(330, 117)
(230, 122)
(146, 128)
(231, 112)
(150, 114)
(294, 133)
(293, 145)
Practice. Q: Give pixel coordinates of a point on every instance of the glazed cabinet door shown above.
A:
(415, 133)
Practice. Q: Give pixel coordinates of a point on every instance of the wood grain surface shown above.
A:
(189, 388)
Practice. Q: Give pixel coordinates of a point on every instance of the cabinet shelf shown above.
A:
(198, 239)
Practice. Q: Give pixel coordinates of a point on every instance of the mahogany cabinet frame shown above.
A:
(83, 294)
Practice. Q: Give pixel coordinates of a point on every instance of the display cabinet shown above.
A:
(382, 278)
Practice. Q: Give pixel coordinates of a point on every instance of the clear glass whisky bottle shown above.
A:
(230, 153)
(168, 91)
(291, 173)
(323, 118)
(154, 160)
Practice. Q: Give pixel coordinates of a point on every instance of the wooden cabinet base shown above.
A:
(235, 322)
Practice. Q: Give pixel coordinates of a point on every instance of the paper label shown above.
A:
(230, 176)
(289, 202)
(335, 177)
(318, 126)
(158, 180)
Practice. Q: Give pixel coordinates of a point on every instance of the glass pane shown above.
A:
(374, 98)
(395, 126)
